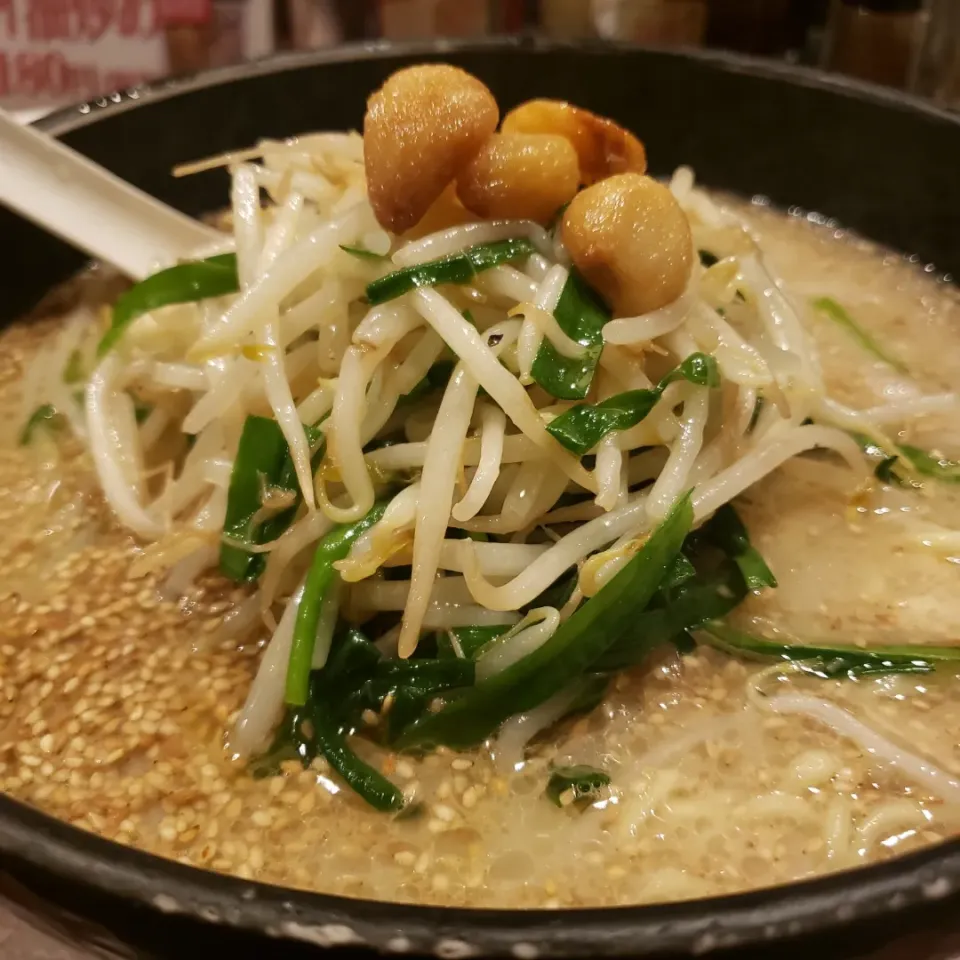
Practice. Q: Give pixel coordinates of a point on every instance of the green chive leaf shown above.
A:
(582, 427)
(578, 642)
(569, 785)
(361, 254)
(184, 283)
(830, 308)
(458, 268)
(581, 315)
(45, 415)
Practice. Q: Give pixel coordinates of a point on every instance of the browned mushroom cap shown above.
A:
(631, 241)
(603, 147)
(421, 128)
(526, 176)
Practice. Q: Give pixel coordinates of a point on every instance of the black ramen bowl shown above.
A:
(876, 162)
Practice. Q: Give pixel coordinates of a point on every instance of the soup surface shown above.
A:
(115, 696)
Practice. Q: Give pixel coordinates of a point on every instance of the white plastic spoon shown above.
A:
(95, 211)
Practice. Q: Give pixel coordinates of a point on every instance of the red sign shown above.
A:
(58, 50)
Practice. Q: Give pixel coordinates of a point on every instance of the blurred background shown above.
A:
(58, 51)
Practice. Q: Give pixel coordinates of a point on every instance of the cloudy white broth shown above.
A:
(475, 506)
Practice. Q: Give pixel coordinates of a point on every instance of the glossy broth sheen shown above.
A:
(114, 701)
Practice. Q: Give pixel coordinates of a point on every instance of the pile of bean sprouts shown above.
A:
(299, 344)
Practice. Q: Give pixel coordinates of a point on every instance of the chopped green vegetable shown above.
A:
(585, 425)
(354, 680)
(577, 644)
(885, 460)
(273, 528)
(832, 309)
(184, 283)
(436, 378)
(885, 472)
(832, 660)
(466, 642)
(290, 742)
(708, 596)
(362, 254)
(915, 459)
(263, 461)
(557, 594)
(582, 427)
(311, 731)
(679, 573)
(334, 546)
(930, 465)
(319, 727)
(592, 688)
(699, 368)
(581, 316)
(370, 784)
(725, 529)
(458, 268)
(259, 463)
(412, 686)
(422, 672)
(74, 372)
(568, 785)
(353, 658)
(45, 415)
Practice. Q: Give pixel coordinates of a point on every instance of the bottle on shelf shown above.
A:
(566, 19)
(653, 22)
(876, 40)
(418, 19)
(937, 74)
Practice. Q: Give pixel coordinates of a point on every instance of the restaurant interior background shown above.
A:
(54, 52)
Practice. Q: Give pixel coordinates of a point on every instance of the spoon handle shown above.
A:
(86, 205)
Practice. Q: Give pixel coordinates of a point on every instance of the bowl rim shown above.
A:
(690, 926)
(697, 926)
